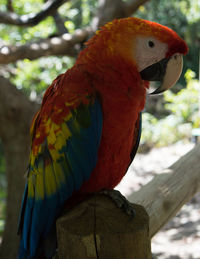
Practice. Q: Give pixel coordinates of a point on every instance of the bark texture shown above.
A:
(16, 112)
(65, 44)
(47, 9)
(96, 228)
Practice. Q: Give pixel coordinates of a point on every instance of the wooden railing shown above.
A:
(97, 229)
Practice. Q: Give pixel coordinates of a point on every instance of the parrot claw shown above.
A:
(120, 201)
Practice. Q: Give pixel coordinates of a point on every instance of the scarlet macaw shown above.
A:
(87, 130)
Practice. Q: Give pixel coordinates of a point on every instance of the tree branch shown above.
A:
(48, 8)
(132, 5)
(9, 6)
(61, 29)
(107, 11)
(65, 44)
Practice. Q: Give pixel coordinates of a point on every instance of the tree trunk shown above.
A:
(16, 112)
(16, 154)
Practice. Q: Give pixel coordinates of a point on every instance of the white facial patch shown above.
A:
(149, 50)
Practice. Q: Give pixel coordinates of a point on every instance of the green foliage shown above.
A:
(33, 77)
(25, 7)
(160, 11)
(149, 123)
(77, 13)
(1, 226)
(191, 8)
(184, 105)
(163, 132)
(20, 35)
(184, 115)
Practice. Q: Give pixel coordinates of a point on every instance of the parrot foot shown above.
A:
(120, 201)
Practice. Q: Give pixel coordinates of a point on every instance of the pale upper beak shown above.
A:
(168, 71)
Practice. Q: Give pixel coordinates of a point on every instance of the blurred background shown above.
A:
(40, 39)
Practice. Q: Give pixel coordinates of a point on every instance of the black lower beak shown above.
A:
(155, 72)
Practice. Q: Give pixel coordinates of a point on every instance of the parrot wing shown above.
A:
(59, 165)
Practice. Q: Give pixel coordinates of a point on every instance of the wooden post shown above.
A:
(164, 196)
(97, 229)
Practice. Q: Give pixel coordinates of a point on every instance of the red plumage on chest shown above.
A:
(122, 95)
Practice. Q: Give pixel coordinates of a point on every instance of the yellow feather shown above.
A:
(52, 128)
(60, 141)
(60, 177)
(31, 191)
(32, 159)
(37, 135)
(48, 125)
(54, 154)
(50, 181)
(66, 131)
(39, 186)
(69, 103)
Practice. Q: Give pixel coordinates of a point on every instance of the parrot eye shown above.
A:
(151, 44)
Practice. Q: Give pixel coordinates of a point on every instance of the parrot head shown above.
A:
(155, 50)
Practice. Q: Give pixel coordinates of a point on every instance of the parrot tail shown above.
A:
(46, 250)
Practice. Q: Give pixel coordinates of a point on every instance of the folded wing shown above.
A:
(63, 156)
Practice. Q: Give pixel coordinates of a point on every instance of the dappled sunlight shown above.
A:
(4, 50)
(181, 236)
(146, 166)
(44, 45)
(34, 46)
(67, 36)
(55, 41)
(25, 17)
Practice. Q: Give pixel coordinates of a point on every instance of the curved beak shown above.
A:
(168, 71)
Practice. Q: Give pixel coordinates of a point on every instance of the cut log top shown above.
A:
(98, 229)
